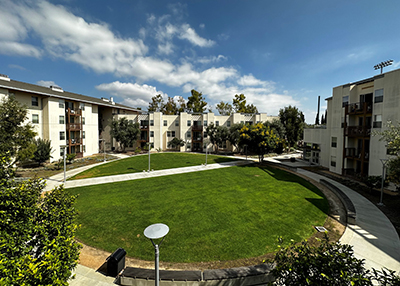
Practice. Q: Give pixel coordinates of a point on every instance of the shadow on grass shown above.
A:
(320, 204)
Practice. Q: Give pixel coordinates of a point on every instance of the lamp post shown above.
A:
(65, 161)
(156, 231)
(206, 142)
(384, 162)
(149, 145)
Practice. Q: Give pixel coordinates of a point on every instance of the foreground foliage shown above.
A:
(37, 232)
(328, 263)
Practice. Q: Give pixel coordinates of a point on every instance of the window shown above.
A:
(35, 101)
(205, 122)
(189, 123)
(379, 95)
(168, 133)
(62, 135)
(152, 122)
(345, 101)
(61, 103)
(173, 133)
(176, 122)
(151, 133)
(165, 123)
(334, 142)
(216, 123)
(83, 120)
(333, 161)
(228, 124)
(188, 134)
(83, 134)
(61, 119)
(35, 118)
(83, 148)
(377, 121)
(82, 106)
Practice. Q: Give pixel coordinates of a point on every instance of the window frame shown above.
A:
(165, 123)
(62, 135)
(59, 119)
(379, 98)
(35, 102)
(37, 118)
(333, 142)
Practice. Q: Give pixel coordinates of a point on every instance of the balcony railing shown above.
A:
(358, 131)
(74, 126)
(76, 141)
(355, 153)
(359, 107)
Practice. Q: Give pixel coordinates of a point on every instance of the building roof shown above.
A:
(57, 92)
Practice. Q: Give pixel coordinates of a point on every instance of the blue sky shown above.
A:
(277, 53)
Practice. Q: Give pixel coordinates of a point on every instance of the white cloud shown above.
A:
(202, 26)
(190, 34)
(133, 94)
(46, 83)
(250, 80)
(211, 59)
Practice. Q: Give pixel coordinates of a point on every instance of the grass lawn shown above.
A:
(222, 214)
(159, 161)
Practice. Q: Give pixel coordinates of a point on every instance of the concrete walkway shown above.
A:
(373, 237)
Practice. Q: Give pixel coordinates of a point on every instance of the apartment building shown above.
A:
(68, 119)
(347, 144)
(82, 123)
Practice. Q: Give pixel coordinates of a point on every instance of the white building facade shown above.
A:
(348, 145)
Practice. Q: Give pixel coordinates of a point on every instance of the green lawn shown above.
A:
(159, 161)
(222, 214)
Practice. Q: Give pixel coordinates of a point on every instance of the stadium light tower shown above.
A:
(383, 64)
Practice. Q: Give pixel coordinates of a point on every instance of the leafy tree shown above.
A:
(224, 108)
(124, 132)
(278, 128)
(327, 263)
(170, 108)
(176, 143)
(239, 105)
(196, 102)
(293, 121)
(217, 135)
(37, 233)
(15, 135)
(181, 105)
(43, 150)
(259, 138)
(394, 171)
(156, 104)
(234, 134)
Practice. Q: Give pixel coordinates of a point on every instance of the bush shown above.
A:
(138, 150)
(71, 157)
(43, 150)
(327, 263)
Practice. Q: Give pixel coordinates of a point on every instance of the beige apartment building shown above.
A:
(347, 144)
(82, 123)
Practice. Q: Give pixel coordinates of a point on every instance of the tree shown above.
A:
(293, 121)
(124, 132)
(156, 104)
(181, 104)
(217, 135)
(43, 150)
(37, 233)
(224, 108)
(327, 263)
(259, 138)
(278, 128)
(15, 135)
(176, 143)
(196, 102)
(170, 107)
(239, 105)
(234, 134)
(322, 119)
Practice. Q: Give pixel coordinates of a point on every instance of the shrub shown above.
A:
(71, 157)
(138, 150)
(43, 150)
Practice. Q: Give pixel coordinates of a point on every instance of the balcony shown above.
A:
(197, 127)
(358, 131)
(76, 141)
(74, 126)
(359, 108)
(355, 153)
(73, 112)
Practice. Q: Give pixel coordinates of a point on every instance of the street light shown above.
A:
(384, 163)
(65, 161)
(206, 142)
(149, 146)
(156, 231)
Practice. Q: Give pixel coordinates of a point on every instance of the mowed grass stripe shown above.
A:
(159, 161)
(222, 214)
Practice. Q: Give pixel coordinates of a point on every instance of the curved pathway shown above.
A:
(373, 237)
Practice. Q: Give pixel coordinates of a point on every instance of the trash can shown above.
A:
(116, 262)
